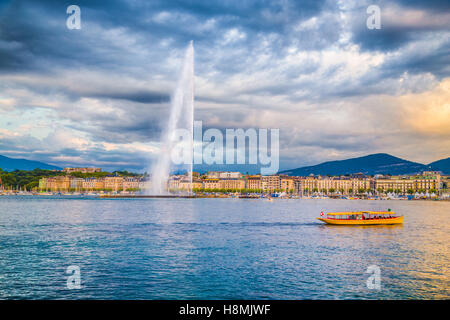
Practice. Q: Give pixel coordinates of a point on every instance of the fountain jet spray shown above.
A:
(181, 117)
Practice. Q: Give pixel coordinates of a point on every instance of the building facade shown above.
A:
(253, 182)
(426, 182)
(232, 184)
(287, 184)
(270, 183)
(82, 170)
(211, 183)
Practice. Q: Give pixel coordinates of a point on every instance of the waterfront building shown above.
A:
(58, 183)
(211, 183)
(99, 184)
(395, 184)
(76, 183)
(82, 170)
(426, 182)
(224, 175)
(197, 184)
(113, 183)
(445, 184)
(130, 183)
(344, 185)
(287, 183)
(89, 184)
(298, 186)
(253, 182)
(362, 184)
(230, 183)
(185, 184)
(270, 183)
(174, 183)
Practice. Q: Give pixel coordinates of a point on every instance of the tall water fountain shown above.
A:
(181, 117)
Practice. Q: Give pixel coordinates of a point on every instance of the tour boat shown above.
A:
(361, 218)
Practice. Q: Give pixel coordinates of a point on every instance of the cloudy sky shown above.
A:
(100, 95)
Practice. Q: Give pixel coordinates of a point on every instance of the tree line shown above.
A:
(29, 179)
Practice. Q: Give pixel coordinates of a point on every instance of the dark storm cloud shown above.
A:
(436, 62)
(435, 5)
(396, 28)
(115, 75)
(138, 96)
(28, 37)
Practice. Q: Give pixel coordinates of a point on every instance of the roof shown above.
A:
(359, 212)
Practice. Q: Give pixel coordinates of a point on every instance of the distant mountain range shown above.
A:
(11, 164)
(379, 163)
(441, 165)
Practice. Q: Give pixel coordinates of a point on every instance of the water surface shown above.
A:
(219, 249)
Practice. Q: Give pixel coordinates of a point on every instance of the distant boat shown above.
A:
(361, 218)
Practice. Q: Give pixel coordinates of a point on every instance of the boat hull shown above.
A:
(397, 220)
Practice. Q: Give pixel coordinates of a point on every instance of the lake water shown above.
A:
(219, 249)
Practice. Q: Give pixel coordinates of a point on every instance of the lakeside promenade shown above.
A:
(219, 195)
(93, 182)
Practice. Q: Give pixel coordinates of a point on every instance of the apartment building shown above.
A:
(185, 184)
(343, 185)
(253, 182)
(425, 182)
(130, 183)
(287, 183)
(230, 183)
(445, 184)
(270, 183)
(211, 183)
(113, 183)
(82, 170)
(224, 175)
(76, 183)
(174, 182)
(58, 183)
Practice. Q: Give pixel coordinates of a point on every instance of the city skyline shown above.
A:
(335, 89)
(94, 180)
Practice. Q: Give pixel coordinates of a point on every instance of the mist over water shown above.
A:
(181, 117)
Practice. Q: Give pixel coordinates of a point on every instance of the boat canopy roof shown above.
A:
(360, 212)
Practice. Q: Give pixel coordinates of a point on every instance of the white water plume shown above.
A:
(181, 117)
